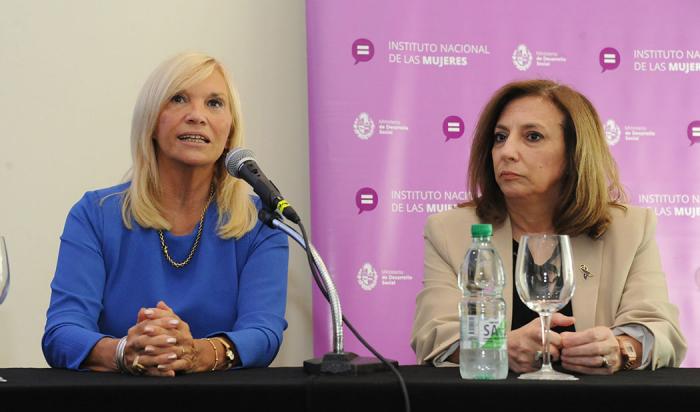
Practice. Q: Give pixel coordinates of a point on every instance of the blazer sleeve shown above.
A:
(436, 323)
(645, 300)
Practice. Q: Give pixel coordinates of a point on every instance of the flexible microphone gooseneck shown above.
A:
(241, 164)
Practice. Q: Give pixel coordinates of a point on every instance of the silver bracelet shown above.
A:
(119, 356)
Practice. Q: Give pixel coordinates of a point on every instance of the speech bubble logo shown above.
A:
(694, 132)
(452, 127)
(366, 199)
(362, 50)
(609, 59)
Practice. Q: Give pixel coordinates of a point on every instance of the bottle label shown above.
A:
(490, 333)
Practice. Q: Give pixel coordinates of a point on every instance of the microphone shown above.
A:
(240, 163)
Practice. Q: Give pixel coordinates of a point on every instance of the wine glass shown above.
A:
(4, 276)
(544, 278)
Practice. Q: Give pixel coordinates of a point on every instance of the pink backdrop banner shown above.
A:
(395, 88)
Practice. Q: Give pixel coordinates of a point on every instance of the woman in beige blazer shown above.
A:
(540, 164)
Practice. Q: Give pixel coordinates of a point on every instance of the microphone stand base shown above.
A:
(345, 363)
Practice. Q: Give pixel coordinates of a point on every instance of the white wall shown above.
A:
(70, 72)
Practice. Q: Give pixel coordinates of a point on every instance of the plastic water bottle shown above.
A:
(482, 310)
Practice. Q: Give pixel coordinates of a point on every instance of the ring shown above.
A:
(182, 348)
(537, 360)
(606, 363)
(137, 367)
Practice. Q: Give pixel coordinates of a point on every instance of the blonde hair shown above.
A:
(237, 213)
(590, 183)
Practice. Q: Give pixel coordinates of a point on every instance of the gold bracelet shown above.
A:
(229, 354)
(216, 354)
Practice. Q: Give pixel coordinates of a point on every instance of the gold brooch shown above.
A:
(586, 273)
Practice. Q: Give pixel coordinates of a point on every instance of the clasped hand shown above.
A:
(160, 344)
(586, 352)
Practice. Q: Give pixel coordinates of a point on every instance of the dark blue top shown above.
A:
(106, 273)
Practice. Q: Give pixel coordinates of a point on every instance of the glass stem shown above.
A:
(545, 320)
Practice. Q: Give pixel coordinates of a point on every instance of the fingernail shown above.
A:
(148, 329)
(172, 356)
(174, 322)
(148, 312)
(171, 340)
(161, 367)
(149, 348)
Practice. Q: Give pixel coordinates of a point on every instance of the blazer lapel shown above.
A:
(503, 242)
(588, 261)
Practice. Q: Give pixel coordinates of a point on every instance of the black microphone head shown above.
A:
(236, 158)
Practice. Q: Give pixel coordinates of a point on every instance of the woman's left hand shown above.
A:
(594, 351)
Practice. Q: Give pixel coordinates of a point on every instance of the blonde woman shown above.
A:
(171, 272)
(539, 164)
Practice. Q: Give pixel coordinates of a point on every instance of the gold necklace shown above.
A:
(179, 265)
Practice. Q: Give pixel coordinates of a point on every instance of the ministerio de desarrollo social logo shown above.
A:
(362, 50)
(522, 57)
(367, 277)
(609, 59)
(612, 132)
(363, 126)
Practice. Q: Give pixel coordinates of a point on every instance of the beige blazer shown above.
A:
(626, 284)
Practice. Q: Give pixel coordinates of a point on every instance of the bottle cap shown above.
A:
(482, 230)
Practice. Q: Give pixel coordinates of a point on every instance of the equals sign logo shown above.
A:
(696, 131)
(454, 127)
(362, 50)
(609, 58)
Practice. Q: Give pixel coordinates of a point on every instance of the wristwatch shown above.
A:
(229, 354)
(627, 352)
